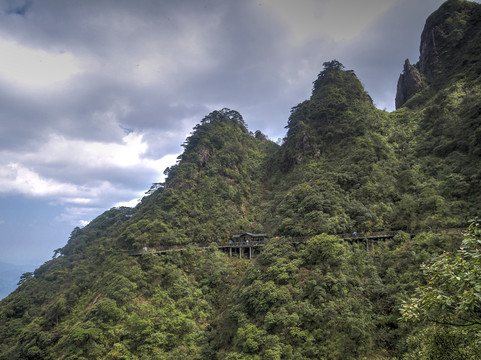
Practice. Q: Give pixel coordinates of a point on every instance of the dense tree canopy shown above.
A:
(344, 167)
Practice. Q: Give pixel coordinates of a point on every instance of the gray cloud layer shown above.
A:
(145, 72)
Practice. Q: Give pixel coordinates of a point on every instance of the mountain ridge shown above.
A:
(343, 167)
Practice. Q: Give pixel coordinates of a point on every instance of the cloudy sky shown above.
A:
(96, 96)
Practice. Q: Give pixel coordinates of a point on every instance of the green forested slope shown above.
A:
(338, 166)
(211, 192)
(344, 166)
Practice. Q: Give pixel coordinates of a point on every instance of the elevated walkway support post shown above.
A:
(250, 252)
(240, 252)
(230, 252)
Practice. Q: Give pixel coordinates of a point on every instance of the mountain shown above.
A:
(448, 142)
(343, 167)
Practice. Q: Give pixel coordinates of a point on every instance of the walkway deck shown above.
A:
(248, 249)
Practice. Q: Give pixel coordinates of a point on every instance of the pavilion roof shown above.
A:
(249, 234)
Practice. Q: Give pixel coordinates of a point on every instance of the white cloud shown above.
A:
(163, 163)
(83, 223)
(79, 201)
(15, 178)
(33, 68)
(96, 154)
(109, 168)
(132, 203)
(71, 157)
(76, 215)
(79, 155)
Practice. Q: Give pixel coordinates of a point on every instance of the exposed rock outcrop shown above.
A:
(447, 37)
(449, 50)
(450, 42)
(410, 82)
(428, 50)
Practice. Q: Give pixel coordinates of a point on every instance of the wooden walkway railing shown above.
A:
(248, 248)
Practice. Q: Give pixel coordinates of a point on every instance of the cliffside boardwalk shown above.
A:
(249, 244)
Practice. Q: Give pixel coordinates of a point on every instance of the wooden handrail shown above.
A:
(300, 239)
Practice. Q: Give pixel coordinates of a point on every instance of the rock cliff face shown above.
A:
(410, 82)
(449, 50)
(429, 56)
(344, 166)
(448, 38)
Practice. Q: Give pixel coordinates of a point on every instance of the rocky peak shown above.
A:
(410, 82)
(449, 39)
(449, 49)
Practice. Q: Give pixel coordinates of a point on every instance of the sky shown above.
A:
(97, 96)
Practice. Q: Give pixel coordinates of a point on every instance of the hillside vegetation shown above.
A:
(343, 167)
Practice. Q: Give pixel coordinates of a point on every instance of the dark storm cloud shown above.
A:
(139, 75)
(156, 68)
(115, 39)
(17, 7)
(101, 26)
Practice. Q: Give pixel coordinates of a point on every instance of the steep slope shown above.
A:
(96, 301)
(450, 45)
(344, 166)
(213, 190)
(443, 119)
(338, 166)
(449, 52)
(338, 112)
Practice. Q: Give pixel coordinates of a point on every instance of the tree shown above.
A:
(223, 115)
(452, 295)
(329, 66)
(332, 65)
(24, 277)
(57, 252)
(450, 303)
